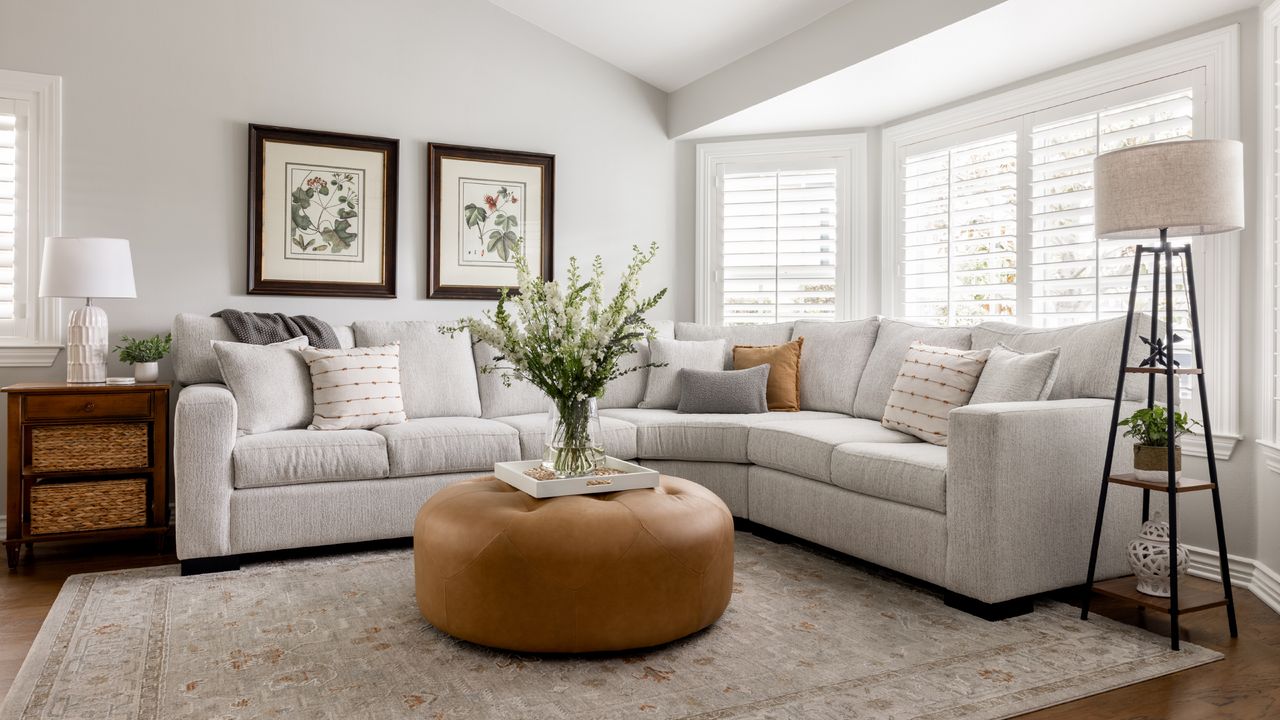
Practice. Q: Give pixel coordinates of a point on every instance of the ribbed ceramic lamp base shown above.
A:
(87, 345)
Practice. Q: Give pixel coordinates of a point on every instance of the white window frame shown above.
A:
(42, 332)
(1217, 52)
(853, 265)
(1269, 236)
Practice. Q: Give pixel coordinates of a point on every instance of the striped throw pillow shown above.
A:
(355, 387)
(932, 382)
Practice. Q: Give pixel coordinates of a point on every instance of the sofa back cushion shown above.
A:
(892, 341)
(834, 358)
(437, 372)
(1090, 355)
(773, 334)
(628, 390)
(193, 337)
(498, 399)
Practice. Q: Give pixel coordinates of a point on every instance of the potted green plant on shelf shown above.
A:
(1150, 428)
(567, 342)
(144, 355)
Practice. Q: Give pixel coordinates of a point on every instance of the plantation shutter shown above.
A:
(960, 232)
(778, 245)
(10, 222)
(1076, 277)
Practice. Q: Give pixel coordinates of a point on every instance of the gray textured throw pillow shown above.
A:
(1012, 376)
(663, 390)
(737, 392)
(271, 384)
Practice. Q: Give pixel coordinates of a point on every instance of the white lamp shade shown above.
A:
(86, 267)
(1191, 187)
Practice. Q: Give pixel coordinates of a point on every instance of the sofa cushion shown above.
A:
(932, 382)
(428, 446)
(193, 336)
(619, 435)
(735, 392)
(912, 474)
(1012, 376)
(437, 372)
(804, 448)
(498, 399)
(1090, 355)
(892, 341)
(663, 389)
(271, 384)
(628, 390)
(355, 387)
(293, 457)
(783, 392)
(834, 358)
(668, 435)
(772, 334)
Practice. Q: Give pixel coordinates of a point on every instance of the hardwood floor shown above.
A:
(1243, 686)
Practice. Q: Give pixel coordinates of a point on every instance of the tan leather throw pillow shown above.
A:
(784, 371)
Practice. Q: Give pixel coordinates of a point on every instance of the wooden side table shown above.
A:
(86, 462)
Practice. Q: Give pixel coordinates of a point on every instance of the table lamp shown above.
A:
(86, 267)
(1163, 190)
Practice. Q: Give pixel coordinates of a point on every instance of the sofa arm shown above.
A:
(204, 436)
(1022, 495)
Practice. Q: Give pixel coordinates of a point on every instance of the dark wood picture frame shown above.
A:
(259, 135)
(436, 154)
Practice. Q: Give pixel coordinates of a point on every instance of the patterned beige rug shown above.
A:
(805, 636)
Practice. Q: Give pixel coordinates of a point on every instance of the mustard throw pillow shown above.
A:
(784, 371)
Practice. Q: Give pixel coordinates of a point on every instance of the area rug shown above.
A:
(805, 636)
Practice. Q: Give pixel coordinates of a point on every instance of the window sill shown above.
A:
(1223, 445)
(28, 354)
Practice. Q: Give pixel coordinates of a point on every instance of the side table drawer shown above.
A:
(97, 405)
(80, 506)
(67, 448)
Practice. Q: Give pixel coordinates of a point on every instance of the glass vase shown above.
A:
(575, 444)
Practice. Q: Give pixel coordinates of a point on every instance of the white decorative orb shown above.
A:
(1149, 558)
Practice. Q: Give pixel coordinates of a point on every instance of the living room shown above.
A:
(729, 358)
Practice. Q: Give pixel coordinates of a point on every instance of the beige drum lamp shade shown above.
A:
(1191, 187)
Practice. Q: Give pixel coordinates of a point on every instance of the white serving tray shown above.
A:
(633, 477)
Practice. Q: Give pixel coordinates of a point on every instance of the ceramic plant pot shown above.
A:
(147, 372)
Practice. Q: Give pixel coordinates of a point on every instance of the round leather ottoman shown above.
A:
(573, 574)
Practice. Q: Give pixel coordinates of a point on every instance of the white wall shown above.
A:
(157, 95)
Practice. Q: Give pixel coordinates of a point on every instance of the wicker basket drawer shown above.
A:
(93, 505)
(69, 448)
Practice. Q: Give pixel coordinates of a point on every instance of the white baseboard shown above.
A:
(1246, 573)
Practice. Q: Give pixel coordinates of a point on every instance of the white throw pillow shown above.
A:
(931, 383)
(676, 355)
(1012, 376)
(269, 382)
(355, 387)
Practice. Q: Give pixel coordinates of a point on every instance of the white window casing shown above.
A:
(1027, 254)
(31, 328)
(781, 230)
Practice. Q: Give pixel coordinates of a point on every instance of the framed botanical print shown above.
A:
(322, 213)
(485, 206)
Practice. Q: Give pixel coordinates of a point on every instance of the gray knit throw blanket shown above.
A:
(267, 328)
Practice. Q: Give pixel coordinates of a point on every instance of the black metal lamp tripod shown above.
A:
(1166, 190)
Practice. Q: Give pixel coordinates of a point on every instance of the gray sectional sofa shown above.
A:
(1002, 513)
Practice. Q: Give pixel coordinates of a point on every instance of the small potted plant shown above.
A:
(1150, 427)
(144, 355)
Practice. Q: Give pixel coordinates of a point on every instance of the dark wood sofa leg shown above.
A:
(993, 612)
(200, 566)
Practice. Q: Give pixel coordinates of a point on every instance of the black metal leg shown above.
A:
(1111, 442)
(1170, 397)
(1208, 441)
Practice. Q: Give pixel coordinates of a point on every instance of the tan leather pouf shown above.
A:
(573, 574)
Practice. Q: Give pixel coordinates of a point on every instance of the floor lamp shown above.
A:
(1166, 190)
